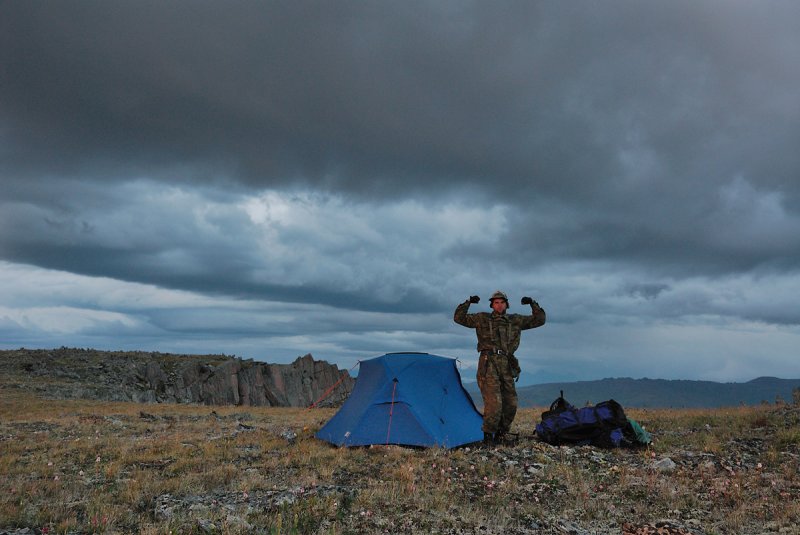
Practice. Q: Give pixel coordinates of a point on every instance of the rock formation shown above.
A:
(166, 378)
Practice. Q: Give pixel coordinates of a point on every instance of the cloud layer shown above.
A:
(278, 178)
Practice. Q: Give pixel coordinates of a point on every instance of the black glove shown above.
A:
(526, 301)
(474, 299)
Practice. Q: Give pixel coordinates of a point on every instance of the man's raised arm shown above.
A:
(537, 317)
(461, 316)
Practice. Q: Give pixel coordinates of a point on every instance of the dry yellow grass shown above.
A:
(94, 467)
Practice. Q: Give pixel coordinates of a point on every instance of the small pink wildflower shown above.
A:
(97, 460)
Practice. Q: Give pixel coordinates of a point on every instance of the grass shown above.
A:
(97, 467)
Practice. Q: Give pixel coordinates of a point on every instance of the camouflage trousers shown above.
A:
(496, 381)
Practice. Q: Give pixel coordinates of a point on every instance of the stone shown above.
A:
(206, 526)
(238, 524)
(289, 435)
(665, 464)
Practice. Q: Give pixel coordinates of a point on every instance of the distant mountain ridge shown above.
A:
(656, 393)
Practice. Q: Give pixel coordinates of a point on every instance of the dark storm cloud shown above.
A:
(628, 126)
(632, 161)
(349, 95)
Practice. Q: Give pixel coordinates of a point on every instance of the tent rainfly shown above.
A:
(409, 399)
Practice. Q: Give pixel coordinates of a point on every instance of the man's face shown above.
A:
(499, 305)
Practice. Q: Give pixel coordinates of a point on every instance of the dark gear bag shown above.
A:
(604, 425)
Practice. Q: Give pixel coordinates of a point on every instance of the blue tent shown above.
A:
(410, 399)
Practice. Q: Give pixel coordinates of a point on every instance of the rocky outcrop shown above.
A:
(161, 377)
(302, 383)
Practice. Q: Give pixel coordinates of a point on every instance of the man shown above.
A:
(498, 368)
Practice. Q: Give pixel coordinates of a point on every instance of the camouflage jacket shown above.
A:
(498, 331)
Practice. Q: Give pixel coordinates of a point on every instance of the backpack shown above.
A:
(604, 425)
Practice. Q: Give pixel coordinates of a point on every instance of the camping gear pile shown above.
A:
(604, 425)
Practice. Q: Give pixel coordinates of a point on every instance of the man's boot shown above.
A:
(500, 437)
(488, 439)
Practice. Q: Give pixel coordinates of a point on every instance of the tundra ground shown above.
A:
(99, 467)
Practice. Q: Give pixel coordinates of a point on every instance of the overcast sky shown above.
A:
(269, 179)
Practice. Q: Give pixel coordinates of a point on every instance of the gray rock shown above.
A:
(199, 508)
(222, 388)
(252, 389)
(155, 376)
(665, 464)
(289, 435)
(535, 468)
(238, 524)
(164, 509)
(206, 526)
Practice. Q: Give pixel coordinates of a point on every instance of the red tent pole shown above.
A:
(391, 411)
